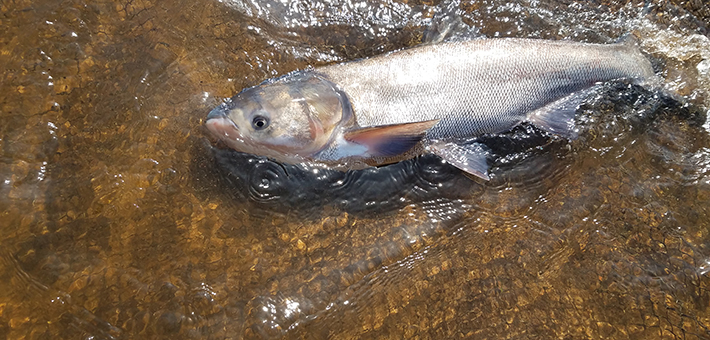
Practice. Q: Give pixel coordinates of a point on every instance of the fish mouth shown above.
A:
(223, 127)
(217, 112)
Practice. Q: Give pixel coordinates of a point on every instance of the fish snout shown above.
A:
(218, 112)
(219, 123)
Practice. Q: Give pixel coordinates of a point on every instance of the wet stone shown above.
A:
(168, 323)
(120, 217)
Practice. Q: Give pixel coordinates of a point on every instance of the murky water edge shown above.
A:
(121, 218)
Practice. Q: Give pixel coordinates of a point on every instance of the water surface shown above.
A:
(121, 218)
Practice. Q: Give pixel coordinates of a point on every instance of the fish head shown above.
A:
(289, 119)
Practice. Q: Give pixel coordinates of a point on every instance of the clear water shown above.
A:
(120, 217)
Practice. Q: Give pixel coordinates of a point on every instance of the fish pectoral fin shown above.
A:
(390, 140)
(558, 116)
(470, 158)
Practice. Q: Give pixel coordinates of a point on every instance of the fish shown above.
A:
(432, 98)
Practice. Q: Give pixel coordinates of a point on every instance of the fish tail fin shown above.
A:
(650, 67)
(642, 67)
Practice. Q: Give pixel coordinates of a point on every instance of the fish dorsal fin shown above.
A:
(447, 25)
(628, 39)
(390, 140)
(558, 116)
(470, 157)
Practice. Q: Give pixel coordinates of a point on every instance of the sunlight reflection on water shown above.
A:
(120, 219)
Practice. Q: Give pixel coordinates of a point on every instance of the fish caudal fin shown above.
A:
(558, 116)
(470, 158)
(390, 140)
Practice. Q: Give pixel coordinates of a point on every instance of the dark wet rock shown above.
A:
(168, 323)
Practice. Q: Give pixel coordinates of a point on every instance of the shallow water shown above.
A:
(121, 218)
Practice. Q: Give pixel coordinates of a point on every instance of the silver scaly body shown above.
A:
(431, 98)
(479, 86)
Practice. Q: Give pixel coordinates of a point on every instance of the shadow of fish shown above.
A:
(435, 98)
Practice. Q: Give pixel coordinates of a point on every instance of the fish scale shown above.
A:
(479, 86)
(432, 98)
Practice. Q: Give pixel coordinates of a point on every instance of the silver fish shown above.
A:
(432, 98)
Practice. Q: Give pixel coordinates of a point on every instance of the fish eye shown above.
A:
(259, 122)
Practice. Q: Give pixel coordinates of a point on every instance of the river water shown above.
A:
(121, 218)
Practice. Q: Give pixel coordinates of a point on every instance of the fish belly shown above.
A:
(479, 86)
